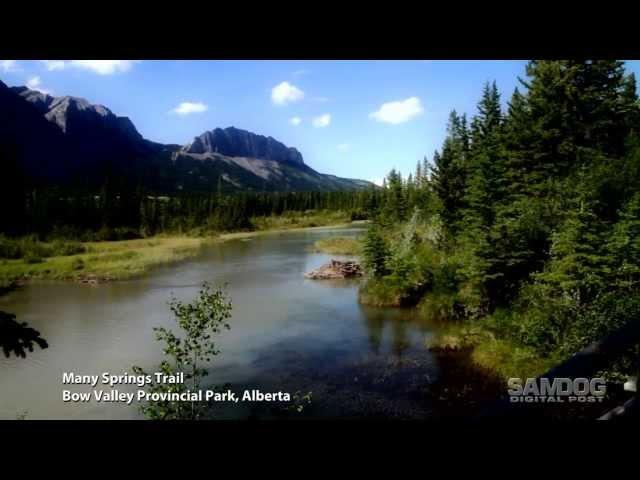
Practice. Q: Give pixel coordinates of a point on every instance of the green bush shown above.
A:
(31, 247)
(106, 234)
(77, 264)
(66, 248)
(31, 259)
(9, 248)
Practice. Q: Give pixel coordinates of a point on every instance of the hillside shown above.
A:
(69, 141)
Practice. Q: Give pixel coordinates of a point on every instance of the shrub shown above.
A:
(32, 259)
(77, 264)
(9, 248)
(65, 248)
(375, 252)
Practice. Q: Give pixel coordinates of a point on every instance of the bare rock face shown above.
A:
(335, 269)
(233, 142)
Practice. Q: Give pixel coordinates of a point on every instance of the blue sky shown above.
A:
(354, 118)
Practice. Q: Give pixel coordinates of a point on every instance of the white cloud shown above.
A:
(52, 65)
(34, 83)
(344, 147)
(299, 73)
(285, 93)
(322, 120)
(8, 65)
(187, 108)
(295, 121)
(399, 111)
(101, 67)
(104, 67)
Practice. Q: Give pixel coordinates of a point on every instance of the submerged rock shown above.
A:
(335, 269)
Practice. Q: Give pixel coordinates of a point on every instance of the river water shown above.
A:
(287, 334)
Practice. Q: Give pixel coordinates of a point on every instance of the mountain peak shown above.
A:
(74, 114)
(235, 142)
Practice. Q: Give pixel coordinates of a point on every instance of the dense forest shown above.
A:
(525, 226)
(119, 211)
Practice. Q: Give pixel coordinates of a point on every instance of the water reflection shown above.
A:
(405, 329)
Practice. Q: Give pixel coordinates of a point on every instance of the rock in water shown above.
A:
(335, 269)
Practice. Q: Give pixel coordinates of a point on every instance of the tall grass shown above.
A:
(310, 218)
(339, 246)
(101, 260)
(29, 247)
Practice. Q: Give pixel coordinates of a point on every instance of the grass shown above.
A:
(497, 355)
(28, 259)
(378, 293)
(307, 219)
(113, 260)
(338, 246)
(388, 292)
(30, 248)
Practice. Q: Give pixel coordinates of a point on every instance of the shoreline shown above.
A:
(224, 237)
(110, 261)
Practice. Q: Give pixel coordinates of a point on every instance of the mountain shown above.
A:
(94, 130)
(68, 140)
(233, 142)
(29, 142)
(253, 162)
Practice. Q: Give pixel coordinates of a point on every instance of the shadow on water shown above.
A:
(386, 374)
(18, 338)
(389, 374)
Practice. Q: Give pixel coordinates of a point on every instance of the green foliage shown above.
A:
(394, 200)
(450, 171)
(534, 214)
(624, 246)
(32, 259)
(77, 264)
(199, 322)
(375, 252)
(30, 247)
(401, 263)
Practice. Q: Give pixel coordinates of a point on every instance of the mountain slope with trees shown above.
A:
(81, 145)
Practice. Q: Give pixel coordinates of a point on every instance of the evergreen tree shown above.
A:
(624, 246)
(395, 203)
(375, 252)
(449, 174)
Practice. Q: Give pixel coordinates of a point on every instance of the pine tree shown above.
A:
(624, 246)
(486, 170)
(395, 205)
(449, 174)
(418, 177)
(375, 252)
(579, 266)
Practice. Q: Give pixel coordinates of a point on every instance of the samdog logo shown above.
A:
(557, 390)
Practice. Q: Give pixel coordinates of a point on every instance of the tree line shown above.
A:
(120, 211)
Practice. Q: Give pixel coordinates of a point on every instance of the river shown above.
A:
(287, 334)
